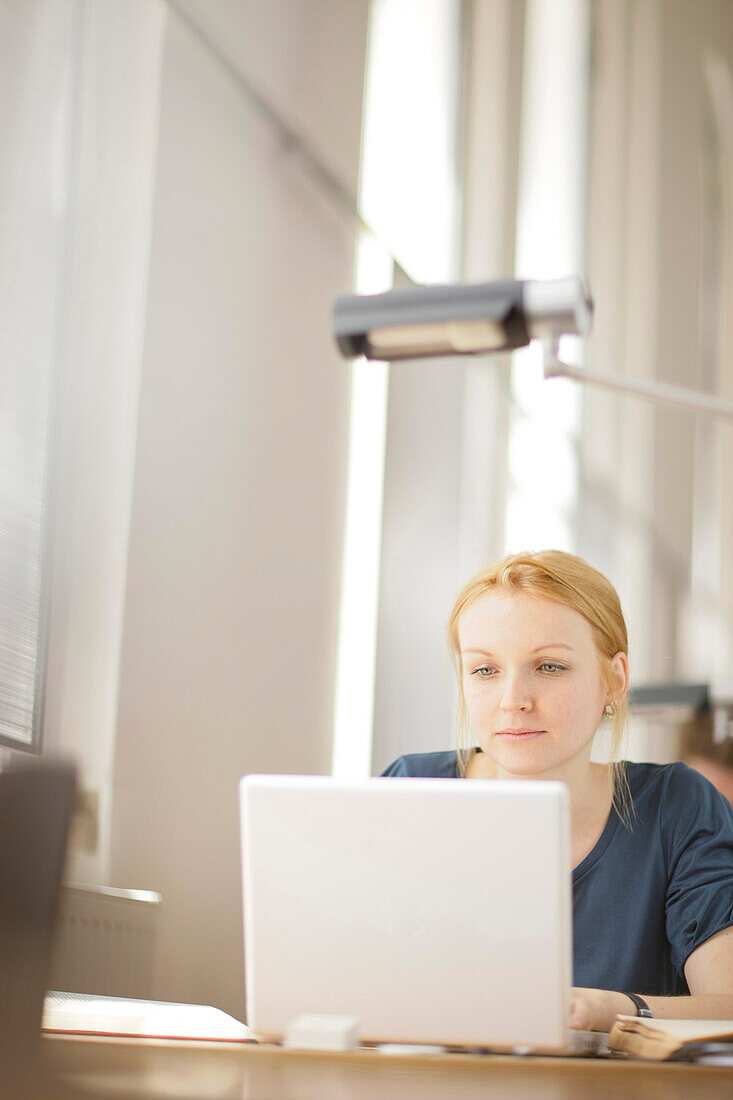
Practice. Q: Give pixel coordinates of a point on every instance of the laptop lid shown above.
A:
(433, 911)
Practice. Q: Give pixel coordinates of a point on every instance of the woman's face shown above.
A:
(532, 683)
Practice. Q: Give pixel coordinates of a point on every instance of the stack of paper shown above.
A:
(84, 1014)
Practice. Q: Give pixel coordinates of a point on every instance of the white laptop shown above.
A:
(434, 912)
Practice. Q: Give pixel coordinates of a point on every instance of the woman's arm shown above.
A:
(709, 974)
(709, 969)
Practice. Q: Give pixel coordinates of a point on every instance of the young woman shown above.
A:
(540, 647)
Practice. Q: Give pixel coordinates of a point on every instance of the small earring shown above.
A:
(609, 709)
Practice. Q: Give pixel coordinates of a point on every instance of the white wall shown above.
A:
(420, 572)
(653, 478)
(230, 626)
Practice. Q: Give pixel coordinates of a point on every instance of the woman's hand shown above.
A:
(597, 1009)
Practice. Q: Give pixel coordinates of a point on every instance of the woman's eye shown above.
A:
(550, 666)
(483, 671)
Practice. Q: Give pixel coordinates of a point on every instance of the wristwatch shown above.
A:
(642, 1008)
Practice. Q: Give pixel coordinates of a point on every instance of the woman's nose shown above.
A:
(516, 695)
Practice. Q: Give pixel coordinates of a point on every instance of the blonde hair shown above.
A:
(568, 580)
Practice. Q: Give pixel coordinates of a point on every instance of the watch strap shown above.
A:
(642, 1008)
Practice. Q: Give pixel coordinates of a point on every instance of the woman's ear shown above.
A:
(620, 675)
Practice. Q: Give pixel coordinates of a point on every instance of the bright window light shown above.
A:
(408, 186)
(357, 638)
(545, 421)
(408, 194)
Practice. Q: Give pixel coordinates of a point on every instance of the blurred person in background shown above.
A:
(712, 759)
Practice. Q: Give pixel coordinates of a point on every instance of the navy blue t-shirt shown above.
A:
(646, 896)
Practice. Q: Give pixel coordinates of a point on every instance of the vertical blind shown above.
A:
(36, 105)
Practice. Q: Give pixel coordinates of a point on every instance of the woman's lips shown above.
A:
(519, 734)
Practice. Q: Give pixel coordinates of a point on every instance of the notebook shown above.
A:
(433, 912)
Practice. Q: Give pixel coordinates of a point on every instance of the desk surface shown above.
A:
(154, 1069)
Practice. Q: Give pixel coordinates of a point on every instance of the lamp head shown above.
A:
(460, 319)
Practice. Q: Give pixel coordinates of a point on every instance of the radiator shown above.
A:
(105, 942)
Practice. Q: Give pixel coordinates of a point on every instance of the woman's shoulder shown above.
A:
(675, 790)
(676, 774)
(428, 765)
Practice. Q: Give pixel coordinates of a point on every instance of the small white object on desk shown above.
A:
(321, 1032)
(411, 1048)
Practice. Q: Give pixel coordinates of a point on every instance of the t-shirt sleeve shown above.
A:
(397, 767)
(424, 765)
(697, 833)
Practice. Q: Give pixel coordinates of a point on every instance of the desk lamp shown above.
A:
(481, 318)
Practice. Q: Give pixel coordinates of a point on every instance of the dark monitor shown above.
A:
(36, 803)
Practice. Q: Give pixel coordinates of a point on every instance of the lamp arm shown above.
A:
(661, 393)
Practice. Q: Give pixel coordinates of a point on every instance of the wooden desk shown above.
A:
(153, 1069)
